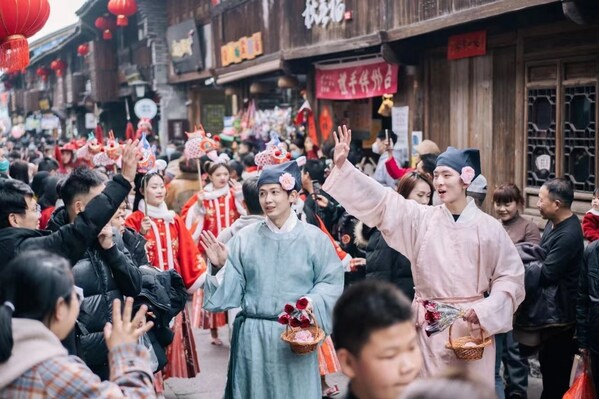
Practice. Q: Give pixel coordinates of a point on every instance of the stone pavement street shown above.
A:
(210, 383)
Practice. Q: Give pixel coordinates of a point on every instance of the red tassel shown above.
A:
(99, 133)
(122, 20)
(14, 53)
(130, 131)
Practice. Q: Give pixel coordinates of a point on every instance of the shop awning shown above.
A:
(248, 71)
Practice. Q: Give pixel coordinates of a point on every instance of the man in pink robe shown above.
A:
(458, 253)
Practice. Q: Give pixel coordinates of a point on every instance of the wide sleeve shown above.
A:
(398, 219)
(394, 170)
(328, 281)
(582, 302)
(229, 291)
(496, 312)
(193, 216)
(190, 261)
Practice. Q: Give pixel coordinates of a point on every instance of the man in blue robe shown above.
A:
(267, 265)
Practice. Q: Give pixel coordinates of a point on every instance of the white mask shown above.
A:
(376, 147)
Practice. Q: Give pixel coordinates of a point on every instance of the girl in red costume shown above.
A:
(215, 208)
(170, 246)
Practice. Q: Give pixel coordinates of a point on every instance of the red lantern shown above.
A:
(106, 25)
(19, 19)
(122, 9)
(58, 66)
(43, 73)
(83, 50)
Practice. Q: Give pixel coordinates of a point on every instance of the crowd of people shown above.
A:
(106, 271)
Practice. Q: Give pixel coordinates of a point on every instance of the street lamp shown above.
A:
(140, 87)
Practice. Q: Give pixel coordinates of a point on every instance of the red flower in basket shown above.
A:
(305, 322)
(284, 318)
(295, 322)
(302, 303)
(289, 309)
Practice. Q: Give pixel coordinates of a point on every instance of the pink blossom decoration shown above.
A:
(467, 174)
(287, 181)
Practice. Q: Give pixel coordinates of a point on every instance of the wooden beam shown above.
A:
(461, 17)
(373, 39)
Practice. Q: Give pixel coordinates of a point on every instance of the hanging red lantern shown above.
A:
(83, 50)
(122, 9)
(43, 73)
(58, 66)
(19, 19)
(106, 25)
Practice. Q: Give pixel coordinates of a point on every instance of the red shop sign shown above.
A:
(361, 79)
(467, 45)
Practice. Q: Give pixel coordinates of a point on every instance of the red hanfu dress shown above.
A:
(170, 246)
(221, 207)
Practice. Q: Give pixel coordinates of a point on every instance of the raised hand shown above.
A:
(131, 155)
(342, 141)
(216, 251)
(105, 237)
(123, 329)
(146, 225)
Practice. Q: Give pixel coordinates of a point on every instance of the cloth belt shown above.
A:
(237, 324)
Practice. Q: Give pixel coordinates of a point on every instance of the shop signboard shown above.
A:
(184, 47)
(356, 80)
(321, 12)
(246, 48)
(467, 45)
(145, 108)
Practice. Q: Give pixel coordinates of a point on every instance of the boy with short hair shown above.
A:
(376, 340)
(590, 221)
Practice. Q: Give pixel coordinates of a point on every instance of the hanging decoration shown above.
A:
(83, 50)
(106, 25)
(58, 66)
(122, 9)
(19, 19)
(43, 73)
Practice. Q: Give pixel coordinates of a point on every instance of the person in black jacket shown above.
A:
(587, 309)
(564, 245)
(19, 216)
(105, 272)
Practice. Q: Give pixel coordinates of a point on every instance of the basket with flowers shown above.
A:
(302, 332)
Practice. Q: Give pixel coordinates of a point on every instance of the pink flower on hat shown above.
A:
(287, 181)
(467, 174)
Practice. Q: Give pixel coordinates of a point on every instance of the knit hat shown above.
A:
(286, 174)
(466, 162)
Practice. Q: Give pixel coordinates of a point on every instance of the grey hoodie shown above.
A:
(244, 221)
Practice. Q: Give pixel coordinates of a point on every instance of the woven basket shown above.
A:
(303, 348)
(470, 352)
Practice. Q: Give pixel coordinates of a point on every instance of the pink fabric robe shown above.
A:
(453, 262)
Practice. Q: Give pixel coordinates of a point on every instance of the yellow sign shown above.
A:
(246, 48)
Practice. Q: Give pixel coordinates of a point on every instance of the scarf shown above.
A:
(161, 212)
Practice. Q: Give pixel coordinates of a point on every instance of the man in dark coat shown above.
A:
(19, 216)
(105, 271)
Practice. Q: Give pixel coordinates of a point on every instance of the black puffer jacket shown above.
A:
(383, 262)
(104, 275)
(587, 306)
(136, 245)
(72, 240)
(543, 306)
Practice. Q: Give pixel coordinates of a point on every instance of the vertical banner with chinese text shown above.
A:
(355, 80)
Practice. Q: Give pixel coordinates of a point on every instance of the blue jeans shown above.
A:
(515, 367)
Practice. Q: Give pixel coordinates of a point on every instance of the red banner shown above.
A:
(467, 45)
(362, 79)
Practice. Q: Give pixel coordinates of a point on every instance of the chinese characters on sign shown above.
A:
(362, 79)
(246, 48)
(467, 45)
(321, 12)
(184, 47)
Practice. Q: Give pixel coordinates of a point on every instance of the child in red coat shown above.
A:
(590, 221)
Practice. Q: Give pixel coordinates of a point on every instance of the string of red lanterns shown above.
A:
(58, 66)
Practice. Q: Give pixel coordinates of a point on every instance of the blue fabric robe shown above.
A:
(264, 271)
